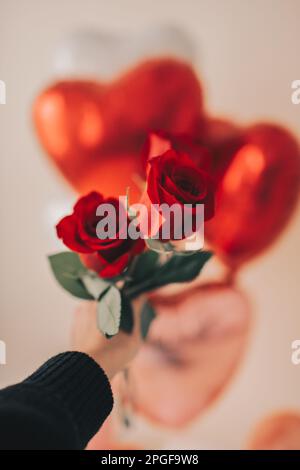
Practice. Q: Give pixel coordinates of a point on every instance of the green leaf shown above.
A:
(144, 265)
(176, 269)
(126, 323)
(183, 269)
(68, 270)
(147, 316)
(186, 253)
(109, 311)
(158, 246)
(94, 284)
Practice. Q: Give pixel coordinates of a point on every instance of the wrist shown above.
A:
(105, 360)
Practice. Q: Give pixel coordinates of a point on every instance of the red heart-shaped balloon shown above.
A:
(259, 183)
(194, 345)
(93, 132)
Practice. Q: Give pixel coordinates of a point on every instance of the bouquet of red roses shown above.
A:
(119, 251)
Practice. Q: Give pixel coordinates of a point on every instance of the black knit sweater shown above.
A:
(61, 406)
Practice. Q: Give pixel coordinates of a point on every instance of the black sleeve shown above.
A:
(61, 406)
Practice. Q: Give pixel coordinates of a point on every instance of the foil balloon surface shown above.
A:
(194, 346)
(259, 185)
(107, 439)
(280, 431)
(105, 54)
(94, 131)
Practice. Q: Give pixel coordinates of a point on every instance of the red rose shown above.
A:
(173, 178)
(108, 256)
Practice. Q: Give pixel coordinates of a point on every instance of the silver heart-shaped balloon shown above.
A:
(89, 53)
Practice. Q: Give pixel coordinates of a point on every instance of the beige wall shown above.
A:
(248, 57)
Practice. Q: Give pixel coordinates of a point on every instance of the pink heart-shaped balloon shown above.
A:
(194, 346)
(105, 439)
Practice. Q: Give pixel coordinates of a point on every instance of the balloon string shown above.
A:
(126, 401)
(230, 276)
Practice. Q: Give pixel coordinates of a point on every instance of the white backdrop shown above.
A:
(248, 55)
